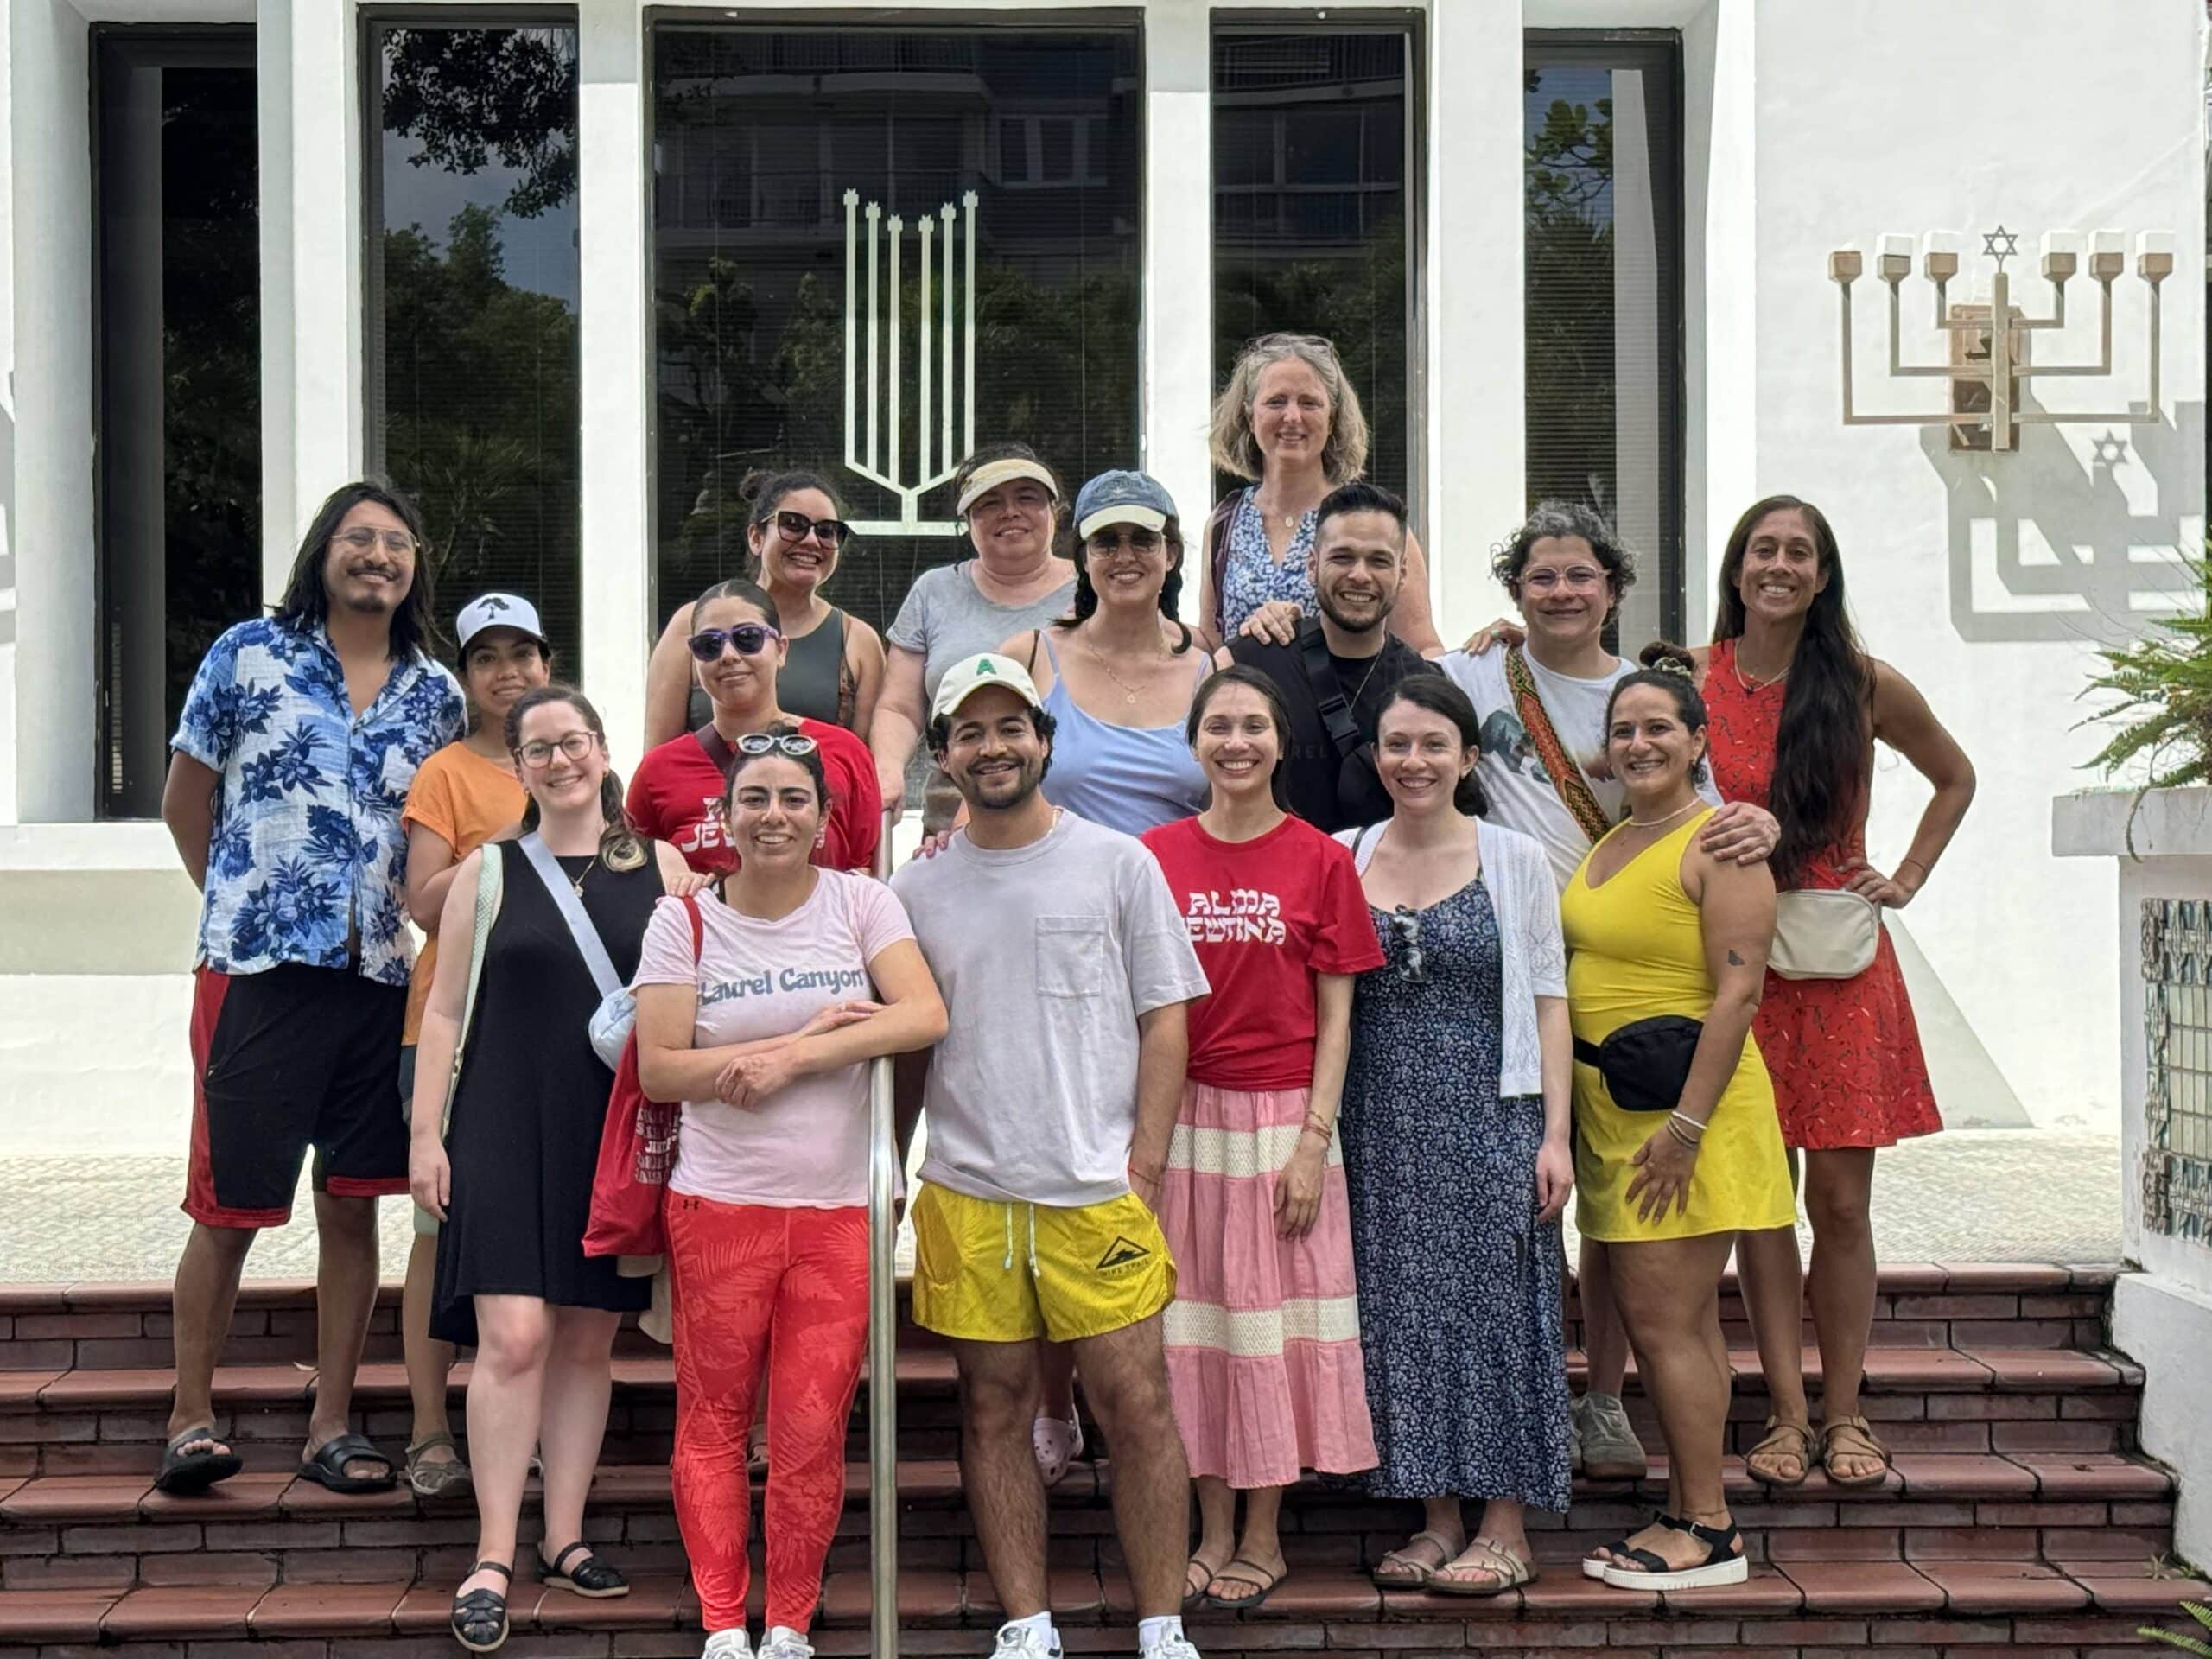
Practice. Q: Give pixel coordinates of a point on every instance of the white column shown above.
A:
(50, 394)
(311, 369)
(1472, 279)
(1178, 265)
(616, 388)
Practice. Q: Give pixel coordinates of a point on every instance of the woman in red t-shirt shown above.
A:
(676, 793)
(1253, 1204)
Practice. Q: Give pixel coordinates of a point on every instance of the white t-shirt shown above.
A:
(1049, 953)
(806, 1144)
(1522, 795)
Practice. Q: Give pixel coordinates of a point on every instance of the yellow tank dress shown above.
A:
(1636, 948)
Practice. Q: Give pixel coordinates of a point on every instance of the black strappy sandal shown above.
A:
(480, 1618)
(589, 1576)
(1724, 1561)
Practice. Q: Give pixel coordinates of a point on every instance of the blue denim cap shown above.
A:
(1123, 497)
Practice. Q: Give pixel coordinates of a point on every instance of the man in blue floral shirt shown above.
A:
(291, 765)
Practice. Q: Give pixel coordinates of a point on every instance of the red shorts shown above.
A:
(294, 1057)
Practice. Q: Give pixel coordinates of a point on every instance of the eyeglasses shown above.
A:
(797, 745)
(1579, 577)
(751, 639)
(1113, 541)
(362, 537)
(538, 754)
(1405, 927)
(832, 533)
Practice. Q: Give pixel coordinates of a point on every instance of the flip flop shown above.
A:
(1509, 1571)
(326, 1466)
(1205, 1572)
(1264, 1584)
(187, 1472)
(1412, 1574)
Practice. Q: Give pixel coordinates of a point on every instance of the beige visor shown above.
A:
(992, 473)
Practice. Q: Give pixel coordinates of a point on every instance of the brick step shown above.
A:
(1912, 1612)
(108, 1421)
(97, 1324)
(268, 1528)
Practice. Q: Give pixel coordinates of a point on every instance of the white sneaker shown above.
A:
(732, 1643)
(783, 1643)
(1056, 1444)
(1175, 1647)
(1020, 1642)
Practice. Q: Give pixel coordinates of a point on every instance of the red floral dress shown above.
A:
(1845, 1053)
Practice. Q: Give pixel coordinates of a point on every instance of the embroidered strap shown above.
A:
(1574, 793)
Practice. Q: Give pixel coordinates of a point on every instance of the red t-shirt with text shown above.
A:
(675, 796)
(1265, 916)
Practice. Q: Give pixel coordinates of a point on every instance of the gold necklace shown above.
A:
(576, 881)
(1129, 692)
(1653, 823)
(1756, 681)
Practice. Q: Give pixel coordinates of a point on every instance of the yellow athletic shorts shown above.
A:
(991, 1272)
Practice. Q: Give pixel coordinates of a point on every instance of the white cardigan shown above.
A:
(1517, 873)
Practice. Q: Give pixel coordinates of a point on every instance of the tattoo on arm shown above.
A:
(1735, 961)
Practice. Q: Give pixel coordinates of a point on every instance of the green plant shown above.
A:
(2164, 682)
(2182, 1639)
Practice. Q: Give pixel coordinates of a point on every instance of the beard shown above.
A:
(1002, 791)
(1329, 607)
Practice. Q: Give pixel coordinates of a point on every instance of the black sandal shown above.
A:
(480, 1618)
(1725, 1562)
(186, 1473)
(589, 1576)
(325, 1466)
(1597, 1566)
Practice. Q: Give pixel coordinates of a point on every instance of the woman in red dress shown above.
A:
(1796, 706)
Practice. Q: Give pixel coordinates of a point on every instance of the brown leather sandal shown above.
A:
(1400, 1570)
(1783, 1440)
(1853, 1437)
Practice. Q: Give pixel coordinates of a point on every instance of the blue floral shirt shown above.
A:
(307, 846)
(1253, 577)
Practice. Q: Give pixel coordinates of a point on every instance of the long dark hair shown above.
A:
(306, 602)
(763, 493)
(1171, 591)
(1252, 680)
(1820, 759)
(1438, 695)
(621, 846)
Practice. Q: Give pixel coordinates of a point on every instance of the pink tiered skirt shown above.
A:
(1264, 1354)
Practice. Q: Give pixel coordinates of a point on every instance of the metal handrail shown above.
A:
(882, 1341)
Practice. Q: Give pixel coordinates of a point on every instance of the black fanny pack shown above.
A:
(1645, 1063)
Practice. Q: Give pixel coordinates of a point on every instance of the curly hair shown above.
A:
(1237, 451)
(1553, 519)
(1668, 668)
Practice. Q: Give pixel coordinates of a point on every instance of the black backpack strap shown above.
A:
(1329, 691)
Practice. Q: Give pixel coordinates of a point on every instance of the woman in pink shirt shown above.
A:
(803, 975)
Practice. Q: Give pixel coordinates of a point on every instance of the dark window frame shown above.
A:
(1658, 53)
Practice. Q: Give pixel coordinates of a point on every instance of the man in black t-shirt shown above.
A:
(1346, 654)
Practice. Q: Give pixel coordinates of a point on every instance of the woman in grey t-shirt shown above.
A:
(1012, 502)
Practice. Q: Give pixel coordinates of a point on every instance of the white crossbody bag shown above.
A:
(1824, 933)
(616, 1016)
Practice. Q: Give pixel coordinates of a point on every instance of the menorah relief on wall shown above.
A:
(944, 404)
(1988, 363)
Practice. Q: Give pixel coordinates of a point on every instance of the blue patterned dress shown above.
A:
(1459, 1287)
(1252, 577)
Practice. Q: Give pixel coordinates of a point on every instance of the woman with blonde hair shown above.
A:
(1290, 422)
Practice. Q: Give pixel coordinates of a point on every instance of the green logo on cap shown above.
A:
(984, 666)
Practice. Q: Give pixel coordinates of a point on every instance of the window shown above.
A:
(771, 147)
(1313, 220)
(472, 278)
(1602, 126)
(177, 263)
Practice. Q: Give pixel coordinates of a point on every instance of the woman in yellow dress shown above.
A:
(1677, 1146)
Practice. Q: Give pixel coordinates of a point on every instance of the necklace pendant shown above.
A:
(576, 885)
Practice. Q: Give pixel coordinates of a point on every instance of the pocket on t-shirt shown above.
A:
(1071, 955)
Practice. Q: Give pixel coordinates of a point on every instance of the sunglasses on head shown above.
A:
(797, 745)
(832, 533)
(751, 639)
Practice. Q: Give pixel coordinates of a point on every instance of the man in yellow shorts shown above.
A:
(1049, 1103)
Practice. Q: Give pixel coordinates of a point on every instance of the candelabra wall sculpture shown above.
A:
(874, 435)
(1989, 356)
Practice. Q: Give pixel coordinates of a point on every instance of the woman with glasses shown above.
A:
(800, 976)
(834, 666)
(1457, 1157)
(1289, 421)
(738, 652)
(1012, 503)
(509, 1177)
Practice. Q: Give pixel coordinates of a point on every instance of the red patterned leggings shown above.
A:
(749, 1284)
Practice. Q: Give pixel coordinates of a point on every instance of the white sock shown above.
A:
(1039, 1626)
(1151, 1632)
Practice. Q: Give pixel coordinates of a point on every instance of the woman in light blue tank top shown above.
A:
(1119, 671)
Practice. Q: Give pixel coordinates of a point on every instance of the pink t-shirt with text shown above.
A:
(807, 1145)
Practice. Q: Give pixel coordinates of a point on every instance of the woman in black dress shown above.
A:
(512, 1179)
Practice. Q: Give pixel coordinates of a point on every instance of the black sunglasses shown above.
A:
(832, 533)
(1405, 926)
(751, 639)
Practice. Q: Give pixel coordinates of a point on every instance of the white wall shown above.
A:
(1881, 116)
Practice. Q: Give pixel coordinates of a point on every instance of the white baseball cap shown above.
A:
(499, 610)
(965, 678)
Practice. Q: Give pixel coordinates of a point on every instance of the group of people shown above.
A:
(1265, 989)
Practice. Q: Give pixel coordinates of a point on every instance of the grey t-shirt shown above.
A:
(1048, 953)
(946, 619)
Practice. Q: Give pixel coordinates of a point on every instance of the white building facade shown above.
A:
(565, 271)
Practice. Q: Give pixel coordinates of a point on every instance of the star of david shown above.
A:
(2109, 450)
(2000, 244)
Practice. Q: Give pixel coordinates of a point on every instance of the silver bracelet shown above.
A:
(1688, 1123)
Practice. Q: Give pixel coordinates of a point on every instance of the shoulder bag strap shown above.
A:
(1329, 691)
(1224, 515)
(573, 912)
(1566, 774)
(716, 748)
(491, 870)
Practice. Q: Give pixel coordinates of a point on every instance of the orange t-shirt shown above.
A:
(460, 796)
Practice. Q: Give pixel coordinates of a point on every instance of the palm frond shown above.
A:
(2182, 1639)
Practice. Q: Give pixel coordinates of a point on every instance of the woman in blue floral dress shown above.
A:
(1456, 1159)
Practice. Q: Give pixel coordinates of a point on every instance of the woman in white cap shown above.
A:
(1012, 503)
(462, 796)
